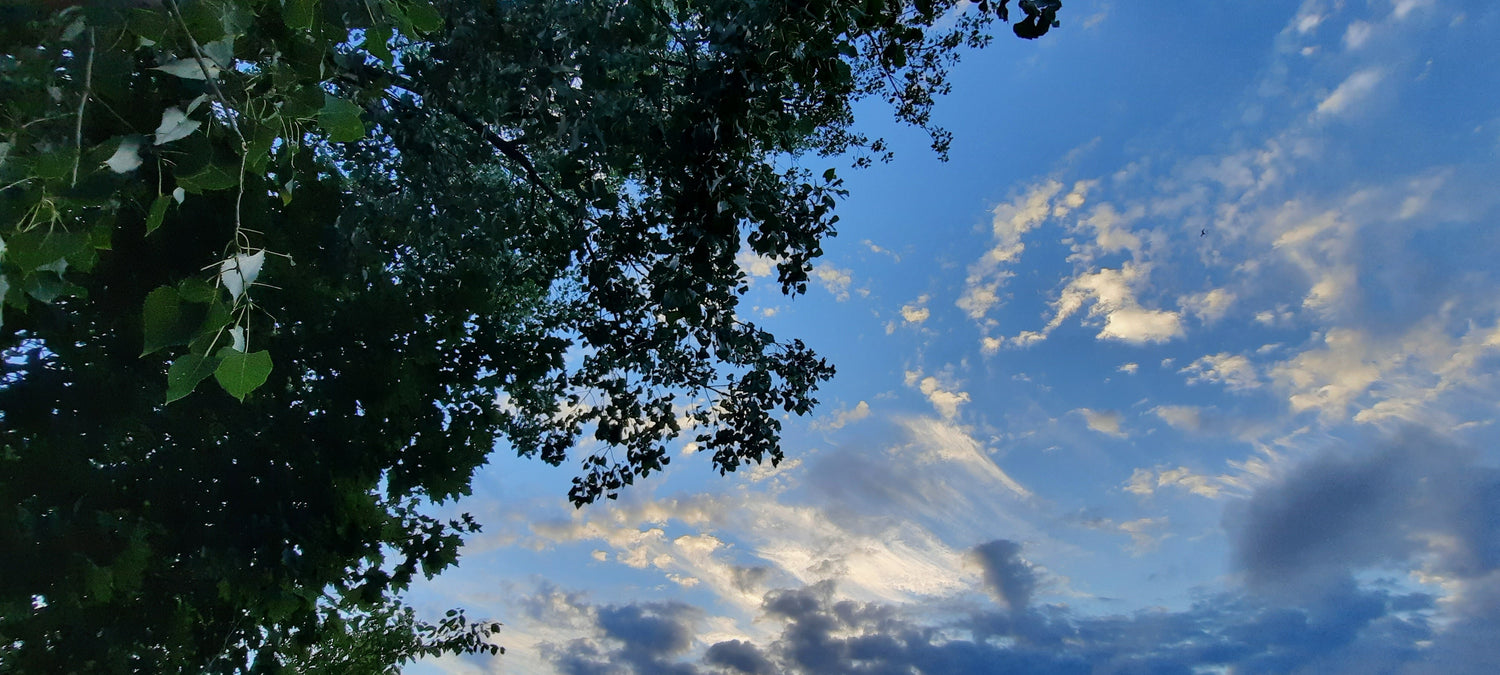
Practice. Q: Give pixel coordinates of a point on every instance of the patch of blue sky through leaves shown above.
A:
(1184, 363)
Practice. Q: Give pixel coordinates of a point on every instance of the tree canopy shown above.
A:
(397, 235)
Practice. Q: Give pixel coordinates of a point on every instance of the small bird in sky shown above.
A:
(1203, 233)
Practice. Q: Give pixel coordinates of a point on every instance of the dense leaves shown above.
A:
(396, 235)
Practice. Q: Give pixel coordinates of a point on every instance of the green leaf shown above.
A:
(161, 320)
(49, 286)
(55, 165)
(240, 373)
(340, 118)
(209, 333)
(194, 289)
(186, 372)
(148, 24)
(158, 212)
(38, 246)
(212, 177)
(99, 583)
(258, 154)
(299, 14)
(424, 17)
(101, 236)
(377, 43)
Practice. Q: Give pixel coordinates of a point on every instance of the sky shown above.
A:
(1184, 363)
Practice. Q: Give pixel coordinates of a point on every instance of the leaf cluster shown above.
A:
(399, 235)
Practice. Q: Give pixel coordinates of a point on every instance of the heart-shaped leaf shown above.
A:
(240, 373)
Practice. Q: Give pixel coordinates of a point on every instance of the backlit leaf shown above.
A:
(240, 373)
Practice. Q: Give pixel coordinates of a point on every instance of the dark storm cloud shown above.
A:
(629, 639)
(1319, 531)
(739, 657)
(1343, 628)
(652, 629)
(1353, 509)
(1008, 577)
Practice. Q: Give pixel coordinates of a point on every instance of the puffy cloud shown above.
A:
(916, 312)
(1133, 324)
(756, 266)
(1403, 378)
(628, 639)
(845, 417)
(945, 398)
(1113, 297)
(1103, 421)
(1109, 232)
(1329, 379)
(739, 657)
(835, 280)
(1129, 368)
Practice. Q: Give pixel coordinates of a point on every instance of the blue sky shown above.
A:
(1185, 363)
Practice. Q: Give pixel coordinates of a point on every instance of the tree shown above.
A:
(397, 235)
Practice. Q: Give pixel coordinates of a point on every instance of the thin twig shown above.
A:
(88, 83)
(207, 75)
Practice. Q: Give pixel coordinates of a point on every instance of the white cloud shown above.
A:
(1354, 89)
(1357, 34)
(1103, 421)
(1233, 371)
(1141, 482)
(1399, 379)
(1209, 306)
(942, 440)
(1183, 417)
(1129, 368)
(1145, 482)
(756, 266)
(1330, 378)
(916, 312)
(1307, 22)
(844, 417)
(876, 248)
(1142, 539)
(1402, 8)
(1011, 221)
(945, 399)
(1113, 297)
(1133, 324)
(1109, 232)
(1074, 199)
(835, 280)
